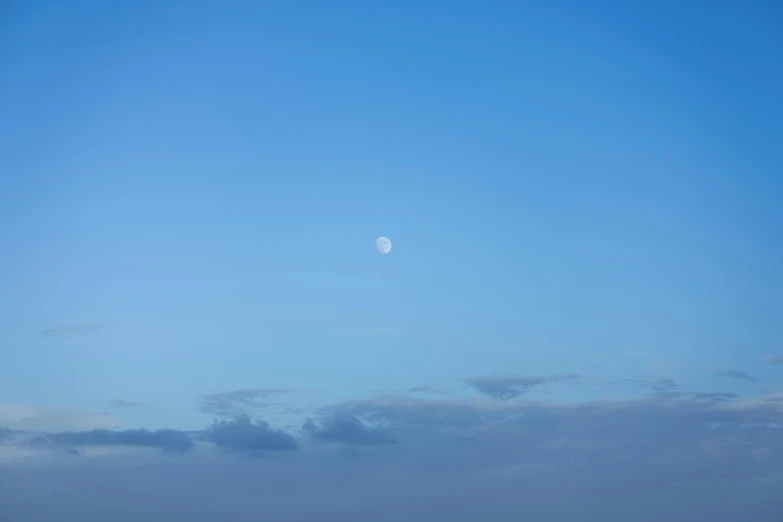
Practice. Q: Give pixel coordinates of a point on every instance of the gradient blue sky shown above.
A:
(190, 194)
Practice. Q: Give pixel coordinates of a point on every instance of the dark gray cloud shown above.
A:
(168, 440)
(736, 374)
(240, 402)
(347, 429)
(773, 359)
(119, 403)
(70, 329)
(512, 386)
(243, 435)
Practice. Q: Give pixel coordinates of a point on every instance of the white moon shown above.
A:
(383, 245)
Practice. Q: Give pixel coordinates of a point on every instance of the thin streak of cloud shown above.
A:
(661, 387)
(736, 374)
(27, 418)
(773, 359)
(508, 387)
(169, 440)
(431, 390)
(120, 403)
(70, 329)
(240, 402)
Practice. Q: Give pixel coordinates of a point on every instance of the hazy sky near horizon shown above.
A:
(584, 203)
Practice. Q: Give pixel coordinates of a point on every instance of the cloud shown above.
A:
(29, 418)
(691, 456)
(349, 430)
(715, 396)
(119, 403)
(773, 359)
(736, 374)
(505, 388)
(660, 387)
(70, 329)
(168, 440)
(768, 404)
(449, 414)
(5, 433)
(512, 386)
(242, 435)
(426, 390)
(240, 402)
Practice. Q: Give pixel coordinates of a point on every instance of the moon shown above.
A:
(383, 244)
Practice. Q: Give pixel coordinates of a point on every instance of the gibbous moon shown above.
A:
(383, 245)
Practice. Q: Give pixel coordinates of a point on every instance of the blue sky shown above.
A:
(190, 197)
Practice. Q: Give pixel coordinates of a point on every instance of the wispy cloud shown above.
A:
(120, 403)
(430, 390)
(507, 387)
(511, 386)
(736, 374)
(773, 359)
(662, 387)
(240, 402)
(70, 329)
(29, 418)
(168, 440)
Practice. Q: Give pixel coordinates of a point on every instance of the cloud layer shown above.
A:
(689, 456)
(669, 454)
